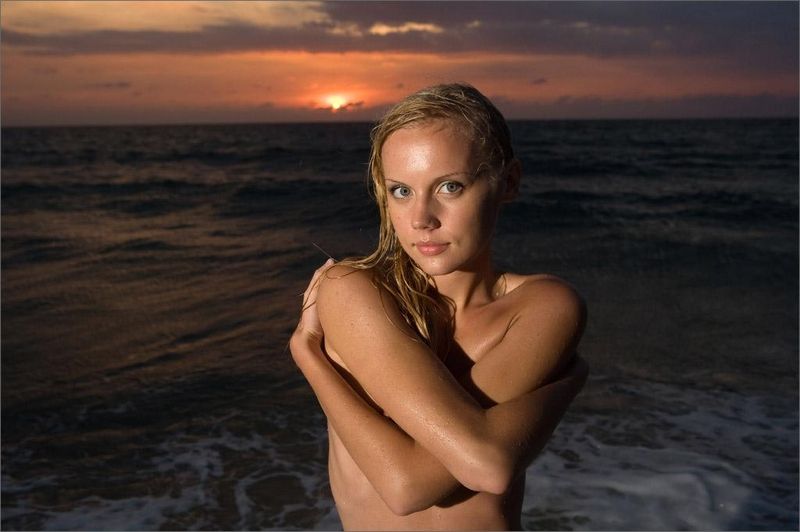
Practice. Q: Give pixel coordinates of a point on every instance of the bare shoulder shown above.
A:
(343, 276)
(543, 317)
(545, 290)
(350, 296)
(343, 285)
(544, 300)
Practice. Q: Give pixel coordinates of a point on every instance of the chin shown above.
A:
(435, 266)
(436, 272)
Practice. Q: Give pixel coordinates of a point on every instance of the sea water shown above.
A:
(151, 278)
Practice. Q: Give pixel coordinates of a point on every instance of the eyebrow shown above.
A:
(451, 174)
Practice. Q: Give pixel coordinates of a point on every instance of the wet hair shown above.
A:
(464, 107)
(460, 106)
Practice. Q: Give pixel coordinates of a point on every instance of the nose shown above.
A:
(423, 215)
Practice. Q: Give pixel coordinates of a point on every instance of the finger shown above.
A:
(311, 291)
(327, 264)
(314, 283)
(307, 305)
(312, 286)
(319, 271)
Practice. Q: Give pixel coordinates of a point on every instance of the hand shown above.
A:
(309, 324)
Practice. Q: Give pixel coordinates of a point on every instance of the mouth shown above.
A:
(431, 248)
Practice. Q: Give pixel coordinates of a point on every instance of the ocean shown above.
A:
(151, 278)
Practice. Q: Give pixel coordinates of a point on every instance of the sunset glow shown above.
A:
(336, 101)
(166, 62)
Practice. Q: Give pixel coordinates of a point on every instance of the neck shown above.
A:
(471, 288)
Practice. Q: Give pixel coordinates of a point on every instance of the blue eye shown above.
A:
(400, 191)
(451, 187)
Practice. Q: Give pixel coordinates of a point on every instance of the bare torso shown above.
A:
(359, 505)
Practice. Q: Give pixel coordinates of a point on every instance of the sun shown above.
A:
(336, 101)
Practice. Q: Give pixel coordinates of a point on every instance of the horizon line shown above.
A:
(345, 122)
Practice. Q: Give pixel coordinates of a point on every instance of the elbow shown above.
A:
(402, 497)
(492, 472)
(498, 484)
(402, 507)
(498, 475)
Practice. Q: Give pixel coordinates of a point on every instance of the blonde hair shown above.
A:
(427, 312)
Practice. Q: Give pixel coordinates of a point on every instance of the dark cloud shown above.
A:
(312, 37)
(350, 106)
(344, 108)
(702, 106)
(757, 35)
(742, 15)
(758, 29)
(110, 85)
(698, 106)
(45, 71)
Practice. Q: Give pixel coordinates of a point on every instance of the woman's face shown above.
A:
(442, 212)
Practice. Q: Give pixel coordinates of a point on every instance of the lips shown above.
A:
(431, 248)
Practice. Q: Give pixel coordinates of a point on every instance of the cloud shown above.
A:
(45, 70)
(687, 106)
(187, 15)
(622, 53)
(110, 85)
(350, 106)
(591, 107)
(385, 29)
(341, 108)
(754, 36)
(593, 28)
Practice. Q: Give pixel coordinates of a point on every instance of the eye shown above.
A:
(451, 187)
(400, 191)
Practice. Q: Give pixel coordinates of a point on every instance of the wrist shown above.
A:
(307, 334)
(306, 347)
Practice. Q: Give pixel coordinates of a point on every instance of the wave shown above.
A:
(576, 209)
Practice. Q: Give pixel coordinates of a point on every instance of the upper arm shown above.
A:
(413, 387)
(539, 344)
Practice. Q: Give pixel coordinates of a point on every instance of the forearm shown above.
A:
(406, 476)
(520, 428)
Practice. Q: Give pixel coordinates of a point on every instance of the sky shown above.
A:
(87, 63)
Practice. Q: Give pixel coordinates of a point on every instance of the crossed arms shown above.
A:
(434, 436)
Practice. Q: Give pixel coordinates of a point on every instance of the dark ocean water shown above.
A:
(151, 279)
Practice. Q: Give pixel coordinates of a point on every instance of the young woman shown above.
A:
(441, 377)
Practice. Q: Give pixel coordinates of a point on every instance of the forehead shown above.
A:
(448, 126)
(439, 143)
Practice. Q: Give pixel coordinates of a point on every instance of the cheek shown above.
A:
(483, 219)
(392, 215)
(395, 220)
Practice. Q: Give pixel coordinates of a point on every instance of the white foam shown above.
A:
(694, 468)
(637, 455)
(654, 489)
